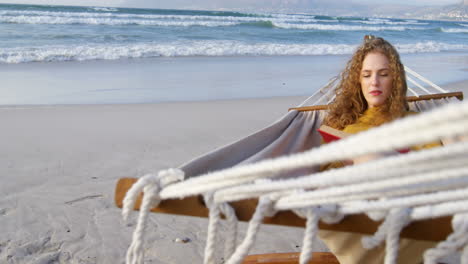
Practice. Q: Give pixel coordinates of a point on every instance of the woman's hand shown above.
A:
(369, 157)
(447, 141)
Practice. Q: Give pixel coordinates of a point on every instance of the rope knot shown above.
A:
(268, 203)
(151, 184)
(378, 215)
(329, 213)
(170, 176)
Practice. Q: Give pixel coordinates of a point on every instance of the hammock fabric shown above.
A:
(294, 132)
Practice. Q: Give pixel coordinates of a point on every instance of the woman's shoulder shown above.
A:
(356, 128)
(367, 121)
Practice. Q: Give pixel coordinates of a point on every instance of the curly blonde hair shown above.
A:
(349, 103)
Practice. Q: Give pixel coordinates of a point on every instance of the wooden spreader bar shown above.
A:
(432, 230)
(290, 258)
(458, 95)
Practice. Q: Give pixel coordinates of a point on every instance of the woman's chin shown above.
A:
(375, 102)
(375, 105)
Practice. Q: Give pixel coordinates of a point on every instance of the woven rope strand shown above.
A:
(264, 207)
(151, 184)
(411, 201)
(310, 234)
(213, 224)
(135, 253)
(402, 164)
(400, 218)
(231, 234)
(384, 168)
(413, 182)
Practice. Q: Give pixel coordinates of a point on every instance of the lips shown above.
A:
(376, 93)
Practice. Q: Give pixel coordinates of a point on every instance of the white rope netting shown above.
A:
(398, 188)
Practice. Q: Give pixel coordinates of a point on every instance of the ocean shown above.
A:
(35, 34)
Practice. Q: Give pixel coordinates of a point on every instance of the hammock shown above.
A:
(279, 166)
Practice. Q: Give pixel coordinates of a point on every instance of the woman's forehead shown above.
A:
(375, 60)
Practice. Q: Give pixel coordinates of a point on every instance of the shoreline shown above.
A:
(291, 99)
(455, 86)
(196, 79)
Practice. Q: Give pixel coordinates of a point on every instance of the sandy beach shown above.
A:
(60, 165)
(160, 80)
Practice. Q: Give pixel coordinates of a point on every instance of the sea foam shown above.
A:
(341, 27)
(455, 30)
(194, 48)
(56, 16)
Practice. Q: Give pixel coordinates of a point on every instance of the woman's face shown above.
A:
(376, 79)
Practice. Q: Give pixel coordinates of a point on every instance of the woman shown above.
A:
(371, 91)
(373, 78)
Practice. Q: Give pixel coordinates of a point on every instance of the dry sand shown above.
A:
(59, 166)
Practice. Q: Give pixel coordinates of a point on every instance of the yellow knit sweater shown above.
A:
(373, 117)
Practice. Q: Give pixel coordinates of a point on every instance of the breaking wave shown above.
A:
(194, 48)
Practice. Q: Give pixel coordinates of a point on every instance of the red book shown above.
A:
(330, 134)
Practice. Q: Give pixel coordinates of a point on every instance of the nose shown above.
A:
(375, 79)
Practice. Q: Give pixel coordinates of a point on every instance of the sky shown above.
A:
(206, 3)
(411, 2)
